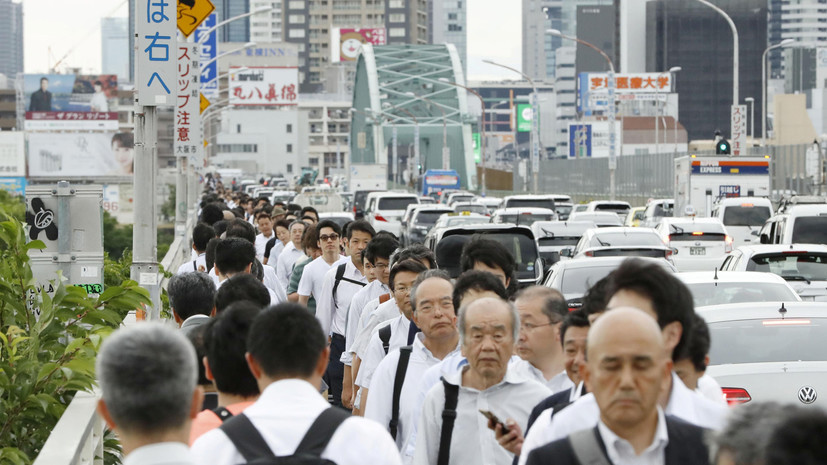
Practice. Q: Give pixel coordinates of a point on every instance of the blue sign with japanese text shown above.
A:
(209, 50)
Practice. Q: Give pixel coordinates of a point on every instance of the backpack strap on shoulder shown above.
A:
(222, 413)
(401, 371)
(340, 273)
(246, 438)
(385, 337)
(449, 415)
(315, 440)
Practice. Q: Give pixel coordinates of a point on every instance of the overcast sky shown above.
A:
(54, 28)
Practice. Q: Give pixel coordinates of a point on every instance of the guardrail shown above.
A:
(78, 436)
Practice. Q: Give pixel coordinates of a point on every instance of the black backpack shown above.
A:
(255, 450)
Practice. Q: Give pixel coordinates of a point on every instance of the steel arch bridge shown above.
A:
(403, 86)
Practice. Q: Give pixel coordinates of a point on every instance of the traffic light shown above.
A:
(723, 147)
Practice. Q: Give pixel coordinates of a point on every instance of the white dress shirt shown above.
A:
(621, 451)
(272, 284)
(312, 280)
(332, 314)
(284, 413)
(284, 267)
(261, 244)
(357, 305)
(374, 352)
(584, 413)
(380, 403)
(162, 453)
(472, 442)
(709, 388)
(384, 312)
(557, 383)
(198, 262)
(274, 253)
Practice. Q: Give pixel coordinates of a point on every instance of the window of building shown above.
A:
(454, 28)
(238, 129)
(296, 4)
(289, 168)
(396, 32)
(289, 148)
(314, 161)
(296, 33)
(289, 128)
(452, 16)
(396, 18)
(396, 4)
(296, 19)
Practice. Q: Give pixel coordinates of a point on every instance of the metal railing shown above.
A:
(77, 439)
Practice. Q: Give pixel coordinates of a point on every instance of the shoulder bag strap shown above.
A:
(340, 272)
(315, 440)
(222, 413)
(385, 337)
(587, 447)
(246, 438)
(449, 415)
(401, 370)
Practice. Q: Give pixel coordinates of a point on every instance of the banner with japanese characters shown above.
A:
(80, 154)
(265, 86)
(70, 102)
(187, 139)
(155, 45)
(12, 153)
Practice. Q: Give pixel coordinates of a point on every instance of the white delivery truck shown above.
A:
(368, 177)
(702, 180)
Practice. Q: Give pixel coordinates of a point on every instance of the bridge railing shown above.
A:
(78, 436)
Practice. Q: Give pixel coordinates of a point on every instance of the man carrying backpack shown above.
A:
(290, 423)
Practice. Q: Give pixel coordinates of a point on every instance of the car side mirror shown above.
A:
(764, 239)
(566, 252)
(754, 232)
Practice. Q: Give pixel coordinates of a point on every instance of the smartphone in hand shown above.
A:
(493, 418)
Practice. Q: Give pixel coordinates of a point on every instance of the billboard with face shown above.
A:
(78, 154)
(69, 92)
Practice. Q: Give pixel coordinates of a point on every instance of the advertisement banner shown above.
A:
(12, 153)
(477, 143)
(524, 117)
(68, 93)
(593, 90)
(80, 154)
(345, 43)
(580, 140)
(209, 50)
(265, 86)
(14, 186)
(71, 121)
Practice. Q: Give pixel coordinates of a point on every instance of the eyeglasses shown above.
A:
(325, 237)
(381, 266)
(402, 290)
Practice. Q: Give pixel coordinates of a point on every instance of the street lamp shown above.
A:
(751, 102)
(446, 154)
(658, 113)
(229, 52)
(205, 35)
(612, 109)
(535, 125)
(783, 43)
(482, 128)
(416, 135)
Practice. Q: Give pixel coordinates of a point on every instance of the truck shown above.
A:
(368, 177)
(702, 180)
(435, 181)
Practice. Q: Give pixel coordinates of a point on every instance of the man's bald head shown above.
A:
(626, 367)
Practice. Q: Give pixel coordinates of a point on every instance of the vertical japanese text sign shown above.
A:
(155, 46)
(187, 141)
(738, 133)
(209, 50)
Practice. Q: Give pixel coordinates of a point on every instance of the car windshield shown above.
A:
(521, 247)
(563, 210)
(471, 208)
(460, 220)
(762, 341)
(428, 217)
(524, 218)
(611, 207)
(746, 216)
(810, 230)
(617, 239)
(359, 198)
(733, 293)
(792, 266)
(663, 210)
(557, 240)
(578, 280)
(527, 203)
(395, 203)
(462, 197)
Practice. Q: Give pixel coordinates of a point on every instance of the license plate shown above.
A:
(697, 251)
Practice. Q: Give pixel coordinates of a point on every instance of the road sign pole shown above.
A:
(535, 144)
(395, 161)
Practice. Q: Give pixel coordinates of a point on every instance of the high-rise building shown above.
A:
(236, 31)
(265, 27)
(115, 47)
(11, 38)
(800, 20)
(309, 23)
(596, 24)
(447, 24)
(696, 38)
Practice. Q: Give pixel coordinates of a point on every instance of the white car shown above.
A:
(523, 216)
(655, 210)
(618, 207)
(617, 242)
(772, 351)
(699, 244)
(554, 236)
(743, 217)
(804, 266)
(471, 207)
(340, 218)
(600, 219)
(491, 203)
(801, 224)
(732, 287)
(534, 200)
(449, 219)
(384, 210)
(574, 277)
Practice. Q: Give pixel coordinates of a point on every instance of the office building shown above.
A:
(11, 38)
(447, 24)
(236, 31)
(800, 20)
(115, 47)
(696, 38)
(265, 26)
(310, 24)
(324, 132)
(596, 25)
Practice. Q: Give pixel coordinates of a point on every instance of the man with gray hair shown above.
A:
(148, 377)
(450, 428)
(743, 441)
(192, 299)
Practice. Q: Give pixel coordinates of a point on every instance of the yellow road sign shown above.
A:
(191, 13)
(204, 103)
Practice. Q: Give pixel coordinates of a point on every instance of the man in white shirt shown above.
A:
(235, 255)
(239, 228)
(488, 331)
(626, 370)
(395, 382)
(339, 286)
(541, 313)
(691, 366)
(288, 354)
(148, 377)
(659, 293)
(396, 333)
(312, 281)
(292, 252)
(191, 299)
(265, 228)
(201, 235)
